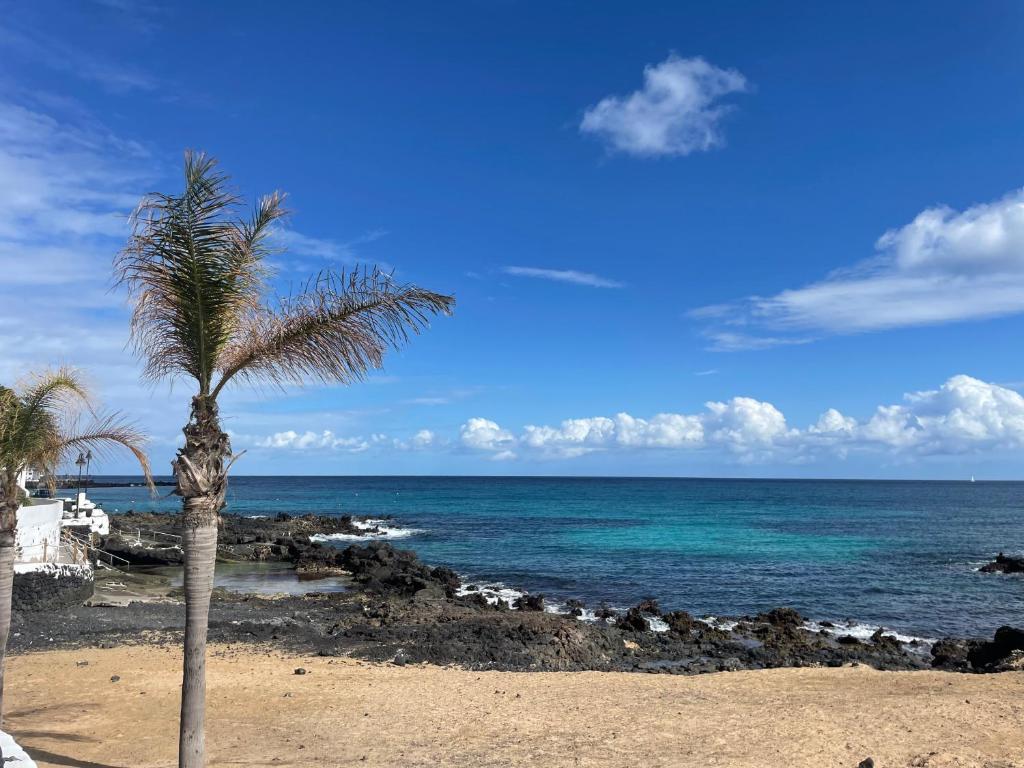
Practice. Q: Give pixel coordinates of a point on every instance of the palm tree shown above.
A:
(197, 274)
(38, 428)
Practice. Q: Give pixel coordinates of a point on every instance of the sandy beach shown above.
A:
(66, 709)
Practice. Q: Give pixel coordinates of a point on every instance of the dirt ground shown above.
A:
(67, 712)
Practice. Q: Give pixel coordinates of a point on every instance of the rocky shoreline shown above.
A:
(403, 611)
(143, 538)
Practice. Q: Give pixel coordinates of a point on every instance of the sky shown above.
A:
(715, 239)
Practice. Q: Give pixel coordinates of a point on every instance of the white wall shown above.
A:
(38, 534)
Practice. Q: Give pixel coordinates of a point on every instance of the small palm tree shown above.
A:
(197, 275)
(38, 429)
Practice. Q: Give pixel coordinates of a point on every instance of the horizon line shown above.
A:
(613, 477)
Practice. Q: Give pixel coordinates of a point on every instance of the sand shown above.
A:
(348, 713)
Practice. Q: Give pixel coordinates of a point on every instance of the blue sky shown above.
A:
(642, 209)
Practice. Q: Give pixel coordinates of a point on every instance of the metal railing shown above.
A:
(77, 549)
(145, 534)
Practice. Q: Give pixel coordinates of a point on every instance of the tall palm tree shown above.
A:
(197, 274)
(38, 428)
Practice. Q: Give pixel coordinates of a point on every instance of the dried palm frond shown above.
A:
(336, 329)
(197, 275)
(194, 270)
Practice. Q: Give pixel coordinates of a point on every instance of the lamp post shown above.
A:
(79, 462)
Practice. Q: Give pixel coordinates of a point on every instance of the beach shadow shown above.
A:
(50, 710)
(21, 735)
(70, 762)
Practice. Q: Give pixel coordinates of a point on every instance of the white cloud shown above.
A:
(573, 438)
(116, 77)
(309, 440)
(944, 266)
(744, 423)
(678, 110)
(563, 276)
(298, 244)
(963, 415)
(423, 439)
(485, 435)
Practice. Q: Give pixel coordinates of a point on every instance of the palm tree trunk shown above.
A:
(6, 589)
(200, 545)
(202, 482)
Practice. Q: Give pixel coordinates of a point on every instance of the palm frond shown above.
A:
(29, 420)
(193, 271)
(106, 433)
(60, 388)
(336, 329)
(38, 427)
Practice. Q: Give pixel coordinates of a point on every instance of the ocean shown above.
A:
(903, 555)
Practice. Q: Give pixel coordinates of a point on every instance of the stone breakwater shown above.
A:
(402, 610)
(153, 539)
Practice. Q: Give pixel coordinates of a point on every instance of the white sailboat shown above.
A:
(972, 478)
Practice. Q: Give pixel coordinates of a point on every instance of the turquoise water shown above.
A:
(899, 554)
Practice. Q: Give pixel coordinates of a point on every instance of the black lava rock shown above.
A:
(781, 617)
(529, 603)
(990, 654)
(1004, 564)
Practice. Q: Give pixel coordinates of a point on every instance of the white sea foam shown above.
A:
(586, 614)
(862, 631)
(493, 593)
(656, 624)
(384, 531)
(723, 624)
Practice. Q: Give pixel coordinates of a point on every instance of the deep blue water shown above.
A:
(899, 554)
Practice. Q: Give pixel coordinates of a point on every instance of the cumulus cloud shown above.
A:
(678, 111)
(423, 439)
(944, 266)
(563, 276)
(485, 435)
(309, 440)
(963, 415)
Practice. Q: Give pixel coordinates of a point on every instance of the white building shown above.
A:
(37, 537)
(41, 524)
(29, 475)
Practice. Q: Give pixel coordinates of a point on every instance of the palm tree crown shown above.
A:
(198, 276)
(39, 427)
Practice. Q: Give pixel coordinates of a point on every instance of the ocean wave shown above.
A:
(493, 593)
(862, 632)
(383, 531)
(588, 615)
(656, 624)
(507, 595)
(726, 625)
